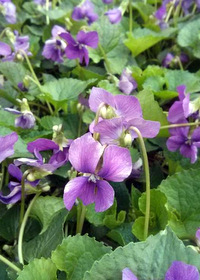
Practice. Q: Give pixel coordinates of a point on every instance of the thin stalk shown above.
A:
(80, 219)
(22, 209)
(105, 59)
(10, 264)
(180, 63)
(169, 12)
(130, 16)
(179, 125)
(80, 124)
(47, 9)
(3, 166)
(22, 228)
(147, 177)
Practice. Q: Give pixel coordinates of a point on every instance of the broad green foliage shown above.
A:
(183, 194)
(77, 254)
(148, 260)
(14, 72)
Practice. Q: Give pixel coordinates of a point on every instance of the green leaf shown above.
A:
(7, 119)
(189, 37)
(43, 244)
(45, 208)
(39, 269)
(142, 39)
(49, 121)
(183, 196)
(144, 9)
(76, 255)
(105, 84)
(151, 110)
(14, 72)
(122, 234)
(9, 223)
(3, 273)
(147, 260)
(158, 214)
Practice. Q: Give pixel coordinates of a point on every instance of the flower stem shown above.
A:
(130, 16)
(47, 9)
(10, 264)
(180, 125)
(23, 195)
(80, 218)
(107, 64)
(22, 228)
(147, 177)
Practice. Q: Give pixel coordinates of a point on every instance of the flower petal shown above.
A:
(5, 49)
(174, 143)
(78, 153)
(7, 145)
(15, 172)
(42, 144)
(117, 164)
(99, 96)
(90, 39)
(182, 271)
(104, 196)
(148, 129)
(176, 113)
(12, 197)
(127, 274)
(189, 151)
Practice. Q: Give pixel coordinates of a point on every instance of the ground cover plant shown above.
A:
(99, 139)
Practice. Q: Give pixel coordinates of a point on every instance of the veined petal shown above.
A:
(182, 271)
(176, 113)
(57, 30)
(68, 38)
(7, 145)
(12, 197)
(174, 143)
(127, 274)
(104, 196)
(42, 144)
(15, 172)
(90, 39)
(117, 164)
(148, 129)
(189, 151)
(99, 96)
(5, 49)
(73, 52)
(181, 92)
(78, 153)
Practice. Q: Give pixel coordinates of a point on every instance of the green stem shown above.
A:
(10, 264)
(130, 16)
(180, 63)
(105, 59)
(2, 174)
(179, 125)
(47, 9)
(80, 219)
(169, 12)
(80, 124)
(22, 228)
(147, 177)
(23, 195)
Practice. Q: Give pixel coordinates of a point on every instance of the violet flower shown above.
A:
(127, 274)
(114, 15)
(7, 145)
(126, 83)
(182, 271)
(107, 1)
(77, 49)
(172, 59)
(8, 9)
(186, 141)
(54, 48)
(15, 186)
(112, 163)
(40, 2)
(85, 10)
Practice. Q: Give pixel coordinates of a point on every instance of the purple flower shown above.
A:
(9, 11)
(182, 271)
(112, 163)
(114, 15)
(186, 141)
(40, 2)
(118, 131)
(85, 10)
(167, 60)
(107, 1)
(54, 48)
(15, 186)
(5, 50)
(126, 83)
(7, 145)
(22, 87)
(127, 274)
(112, 106)
(170, 58)
(21, 44)
(77, 49)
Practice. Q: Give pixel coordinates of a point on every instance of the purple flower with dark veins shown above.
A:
(7, 145)
(127, 274)
(186, 140)
(114, 15)
(15, 185)
(78, 49)
(54, 48)
(112, 163)
(182, 271)
(126, 83)
(8, 9)
(85, 10)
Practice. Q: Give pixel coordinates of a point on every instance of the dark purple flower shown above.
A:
(77, 49)
(7, 145)
(15, 185)
(126, 83)
(186, 141)
(161, 13)
(167, 60)
(107, 1)
(9, 11)
(22, 87)
(182, 271)
(127, 274)
(112, 106)
(54, 48)
(92, 186)
(85, 10)
(172, 59)
(114, 15)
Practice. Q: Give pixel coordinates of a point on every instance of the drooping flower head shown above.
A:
(54, 48)
(114, 15)
(126, 83)
(85, 10)
(112, 163)
(8, 9)
(78, 49)
(7, 145)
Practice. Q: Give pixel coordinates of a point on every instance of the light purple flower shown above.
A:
(5, 50)
(9, 11)
(187, 142)
(54, 48)
(40, 2)
(85, 10)
(182, 271)
(7, 145)
(127, 274)
(15, 185)
(126, 83)
(77, 49)
(92, 186)
(124, 106)
(114, 15)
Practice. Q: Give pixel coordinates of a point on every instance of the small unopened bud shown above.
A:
(26, 81)
(36, 174)
(80, 107)
(46, 188)
(128, 139)
(103, 112)
(10, 35)
(19, 57)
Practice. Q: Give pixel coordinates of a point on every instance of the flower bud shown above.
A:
(36, 174)
(19, 57)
